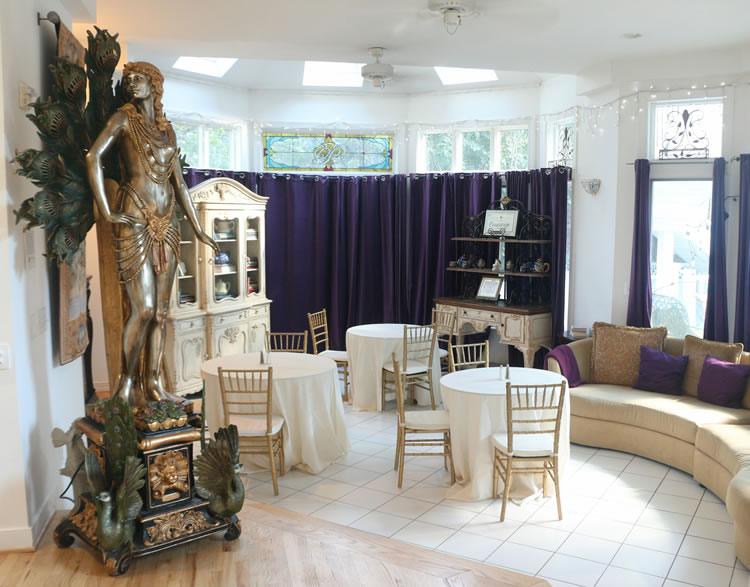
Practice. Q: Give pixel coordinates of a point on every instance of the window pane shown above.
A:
(219, 148)
(686, 130)
(187, 140)
(680, 245)
(476, 150)
(514, 149)
(439, 149)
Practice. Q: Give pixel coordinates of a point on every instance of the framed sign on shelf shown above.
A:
(500, 223)
(490, 288)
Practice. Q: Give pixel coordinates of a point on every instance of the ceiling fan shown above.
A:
(377, 73)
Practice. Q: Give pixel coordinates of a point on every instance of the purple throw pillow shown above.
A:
(722, 383)
(660, 371)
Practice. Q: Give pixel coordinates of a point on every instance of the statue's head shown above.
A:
(157, 85)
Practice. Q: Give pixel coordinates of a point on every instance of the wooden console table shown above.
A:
(527, 327)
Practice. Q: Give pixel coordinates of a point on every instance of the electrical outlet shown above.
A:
(4, 356)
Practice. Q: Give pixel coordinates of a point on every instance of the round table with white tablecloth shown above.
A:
(476, 403)
(305, 393)
(369, 347)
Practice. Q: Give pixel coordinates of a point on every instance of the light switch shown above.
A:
(4, 355)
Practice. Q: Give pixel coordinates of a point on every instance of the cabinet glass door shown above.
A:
(187, 267)
(253, 238)
(227, 263)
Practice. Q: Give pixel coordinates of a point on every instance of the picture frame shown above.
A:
(500, 223)
(489, 288)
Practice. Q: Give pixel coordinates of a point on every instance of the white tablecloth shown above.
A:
(476, 403)
(305, 393)
(369, 347)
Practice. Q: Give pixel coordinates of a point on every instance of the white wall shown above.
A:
(37, 394)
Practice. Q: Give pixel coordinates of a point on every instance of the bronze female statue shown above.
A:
(146, 234)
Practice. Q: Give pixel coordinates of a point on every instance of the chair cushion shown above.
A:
(616, 355)
(677, 416)
(442, 353)
(526, 445)
(413, 368)
(727, 444)
(427, 419)
(339, 356)
(256, 425)
(697, 349)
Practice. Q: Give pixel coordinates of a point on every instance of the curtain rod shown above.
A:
(709, 160)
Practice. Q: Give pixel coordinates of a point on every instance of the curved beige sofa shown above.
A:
(709, 442)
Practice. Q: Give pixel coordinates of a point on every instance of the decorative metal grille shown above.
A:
(684, 136)
(567, 147)
(327, 152)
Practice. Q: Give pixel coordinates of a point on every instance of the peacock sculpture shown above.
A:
(216, 470)
(67, 125)
(118, 502)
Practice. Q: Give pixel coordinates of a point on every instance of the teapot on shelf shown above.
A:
(540, 266)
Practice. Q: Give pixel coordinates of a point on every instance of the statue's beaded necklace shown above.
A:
(133, 250)
(147, 135)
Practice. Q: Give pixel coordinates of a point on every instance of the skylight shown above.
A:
(451, 76)
(213, 66)
(326, 73)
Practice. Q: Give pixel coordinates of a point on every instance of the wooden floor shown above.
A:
(277, 547)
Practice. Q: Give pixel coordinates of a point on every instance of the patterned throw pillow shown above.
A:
(697, 349)
(616, 356)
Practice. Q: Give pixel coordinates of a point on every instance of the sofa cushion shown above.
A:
(660, 371)
(697, 349)
(727, 444)
(677, 416)
(616, 355)
(722, 383)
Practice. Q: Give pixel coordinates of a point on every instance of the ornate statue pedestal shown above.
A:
(172, 512)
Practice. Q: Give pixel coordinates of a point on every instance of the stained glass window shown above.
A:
(686, 129)
(327, 152)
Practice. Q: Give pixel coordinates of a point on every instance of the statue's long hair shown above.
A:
(157, 87)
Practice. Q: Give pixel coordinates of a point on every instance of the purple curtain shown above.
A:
(716, 326)
(559, 177)
(639, 302)
(438, 204)
(518, 186)
(742, 311)
(540, 201)
(195, 176)
(334, 242)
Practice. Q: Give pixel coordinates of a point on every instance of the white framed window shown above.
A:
(209, 145)
(686, 129)
(499, 148)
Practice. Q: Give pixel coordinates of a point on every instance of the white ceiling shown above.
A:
(273, 38)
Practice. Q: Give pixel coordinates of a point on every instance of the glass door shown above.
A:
(187, 267)
(253, 257)
(226, 283)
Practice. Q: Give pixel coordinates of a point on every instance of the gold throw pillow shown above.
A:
(616, 356)
(697, 349)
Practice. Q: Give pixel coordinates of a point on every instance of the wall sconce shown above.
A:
(591, 185)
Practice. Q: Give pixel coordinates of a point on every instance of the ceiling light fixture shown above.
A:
(377, 73)
(452, 11)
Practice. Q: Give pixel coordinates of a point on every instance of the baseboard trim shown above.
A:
(16, 540)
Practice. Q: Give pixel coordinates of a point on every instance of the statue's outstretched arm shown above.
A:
(183, 197)
(112, 130)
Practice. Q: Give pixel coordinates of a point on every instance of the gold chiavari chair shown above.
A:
(463, 356)
(248, 403)
(291, 342)
(420, 422)
(416, 367)
(319, 335)
(444, 323)
(533, 436)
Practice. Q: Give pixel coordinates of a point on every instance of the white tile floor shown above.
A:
(627, 521)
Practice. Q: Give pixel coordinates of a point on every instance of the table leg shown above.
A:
(528, 355)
